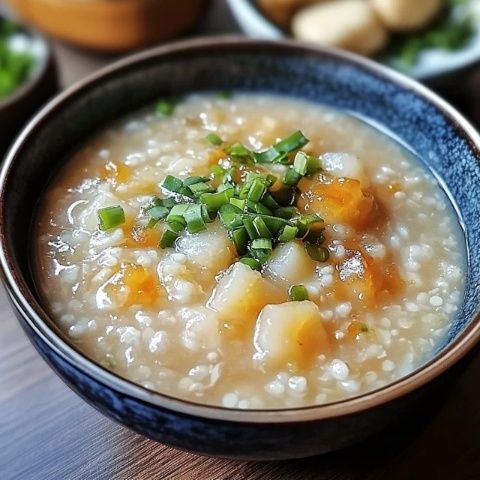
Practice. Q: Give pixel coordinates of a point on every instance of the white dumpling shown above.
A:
(347, 24)
(345, 165)
(406, 14)
(289, 264)
(290, 333)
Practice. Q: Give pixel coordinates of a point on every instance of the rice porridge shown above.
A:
(249, 251)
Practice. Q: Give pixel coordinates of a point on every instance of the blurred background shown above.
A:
(46, 45)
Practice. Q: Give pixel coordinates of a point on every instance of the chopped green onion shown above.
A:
(297, 293)
(157, 213)
(278, 152)
(168, 238)
(261, 249)
(165, 108)
(291, 177)
(229, 214)
(213, 201)
(270, 202)
(316, 252)
(214, 139)
(250, 227)
(195, 179)
(262, 243)
(252, 263)
(238, 150)
(256, 190)
(200, 188)
(240, 239)
(261, 228)
(288, 233)
(257, 207)
(172, 184)
(286, 212)
(111, 217)
(300, 164)
(177, 214)
(238, 203)
(217, 171)
(176, 226)
(194, 218)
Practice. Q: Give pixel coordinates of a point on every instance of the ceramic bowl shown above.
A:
(111, 25)
(433, 129)
(17, 107)
(435, 67)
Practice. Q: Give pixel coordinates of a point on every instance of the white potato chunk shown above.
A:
(289, 264)
(406, 14)
(345, 165)
(290, 333)
(239, 296)
(211, 249)
(281, 11)
(347, 24)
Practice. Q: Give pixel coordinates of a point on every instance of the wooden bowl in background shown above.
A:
(111, 25)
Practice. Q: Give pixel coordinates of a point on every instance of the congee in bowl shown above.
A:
(250, 251)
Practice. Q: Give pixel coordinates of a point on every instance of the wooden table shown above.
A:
(48, 433)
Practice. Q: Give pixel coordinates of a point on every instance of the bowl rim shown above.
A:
(40, 69)
(25, 301)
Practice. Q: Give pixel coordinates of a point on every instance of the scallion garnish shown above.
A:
(168, 238)
(111, 217)
(288, 234)
(165, 107)
(297, 293)
(317, 252)
(251, 262)
(255, 207)
(214, 139)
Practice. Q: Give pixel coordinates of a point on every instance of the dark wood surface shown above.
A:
(47, 432)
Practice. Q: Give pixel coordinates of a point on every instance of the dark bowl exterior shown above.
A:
(434, 130)
(245, 441)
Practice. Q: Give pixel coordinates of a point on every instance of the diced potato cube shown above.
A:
(290, 333)
(289, 264)
(239, 296)
(348, 24)
(406, 14)
(211, 249)
(341, 164)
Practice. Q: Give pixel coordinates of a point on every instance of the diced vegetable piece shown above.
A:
(341, 164)
(165, 107)
(213, 201)
(252, 263)
(194, 218)
(297, 293)
(210, 249)
(239, 296)
(288, 234)
(317, 252)
(214, 139)
(240, 239)
(111, 217)
(229, 216)
(292, 177)
(168, 238)
(290, 333)
(339, 200)
(289, 264)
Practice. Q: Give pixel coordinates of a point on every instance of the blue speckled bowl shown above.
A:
(437, 133)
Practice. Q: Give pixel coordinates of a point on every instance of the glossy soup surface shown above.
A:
(193, 322)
